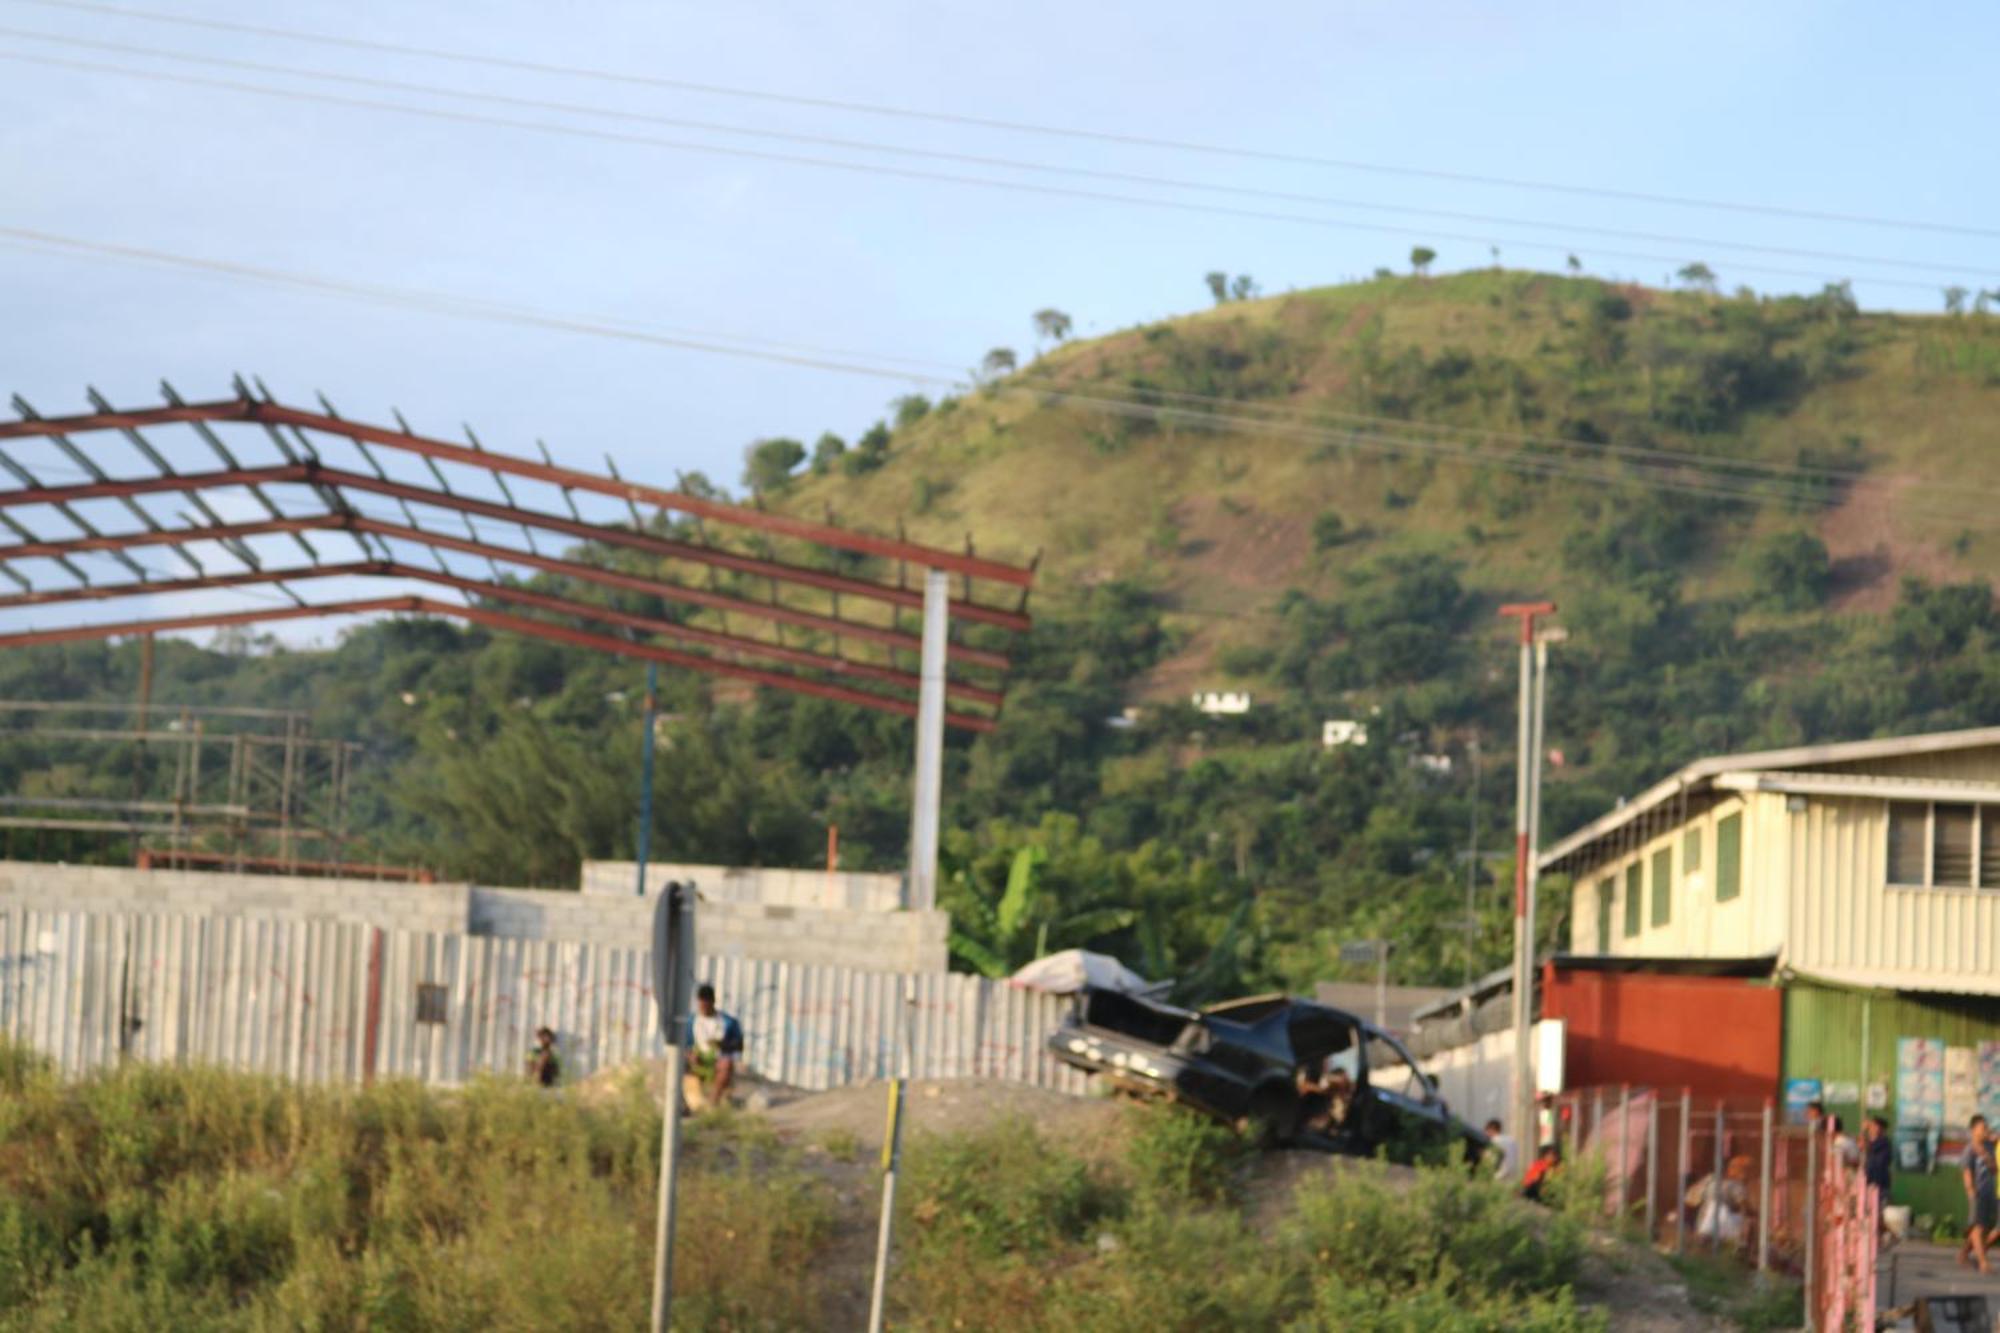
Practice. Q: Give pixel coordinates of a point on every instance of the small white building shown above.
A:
(1338, 731)
(1222, 703)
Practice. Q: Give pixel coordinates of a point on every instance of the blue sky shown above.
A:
(1847, 108)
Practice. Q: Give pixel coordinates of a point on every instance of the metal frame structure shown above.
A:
(252, 780)
(822, 618)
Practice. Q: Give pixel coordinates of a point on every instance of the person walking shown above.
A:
(1877, 1157)
(1981, 1199)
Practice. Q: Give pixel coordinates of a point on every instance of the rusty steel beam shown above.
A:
(661, 547)
(269, 413)
(499, 620)
(387, 569)
(610, 578)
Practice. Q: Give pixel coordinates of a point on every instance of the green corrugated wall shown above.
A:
(1823, 1027)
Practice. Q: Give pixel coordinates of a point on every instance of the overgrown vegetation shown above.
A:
(1330, 574)
(1006, 1229)
(159, 1198)
(164, 1198)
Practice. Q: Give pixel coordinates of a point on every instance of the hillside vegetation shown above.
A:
(1765, 521)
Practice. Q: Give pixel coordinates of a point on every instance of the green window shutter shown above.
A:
(1607, 894)
(1632, 894)
(1691, 851)
(1663, 886)
(1728, 857)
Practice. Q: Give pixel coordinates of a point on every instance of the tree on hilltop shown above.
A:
(1954, 299)
(1051, 324)
(1243, 288)
(1698, 275)
(1420, 260)
(1000, 361)
(768, 464)
(1218, 286)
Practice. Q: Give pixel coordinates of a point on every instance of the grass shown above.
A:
(1724, 1286)
(164, 1198)
(149, 1198)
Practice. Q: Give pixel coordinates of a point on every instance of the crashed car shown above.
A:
(1287, 1070)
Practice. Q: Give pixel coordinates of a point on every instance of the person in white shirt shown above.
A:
(1503, 1150)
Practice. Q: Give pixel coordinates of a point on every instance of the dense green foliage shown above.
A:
(1236, 852)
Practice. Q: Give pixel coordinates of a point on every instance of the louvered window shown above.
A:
(1952, 828)
(1943, 846)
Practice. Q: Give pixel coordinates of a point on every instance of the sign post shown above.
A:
(1376, 952)
(673, 991)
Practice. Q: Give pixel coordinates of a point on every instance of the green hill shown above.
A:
(1765, 522)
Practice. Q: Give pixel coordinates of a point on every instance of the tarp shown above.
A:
(1071, 970)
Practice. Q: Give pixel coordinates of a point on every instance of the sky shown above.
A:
(1853, 109)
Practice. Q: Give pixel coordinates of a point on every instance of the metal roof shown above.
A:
(784, 602)
(1703, 772)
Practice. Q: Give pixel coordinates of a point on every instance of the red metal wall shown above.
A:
(1720, 1036)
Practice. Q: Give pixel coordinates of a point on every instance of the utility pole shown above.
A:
(645, 830)
(1472, 868)
(1525, 800)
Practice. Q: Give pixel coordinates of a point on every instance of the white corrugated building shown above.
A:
(1870, 863)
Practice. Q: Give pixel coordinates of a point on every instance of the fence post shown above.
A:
(1764, 1196)
(1715, 1181)
(1652, 1161)
(1812, 1231)
(1681, 1172)
(1624, 1143)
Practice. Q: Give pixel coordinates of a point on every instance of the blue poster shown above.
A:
(1799, 1094)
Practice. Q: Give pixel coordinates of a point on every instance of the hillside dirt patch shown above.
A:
(1869, 560)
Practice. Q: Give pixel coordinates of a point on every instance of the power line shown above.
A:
(1693, 243)
(877, 169)
(1605, 472)
(1008, 126)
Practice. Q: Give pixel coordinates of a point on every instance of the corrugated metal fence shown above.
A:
(336, 1001)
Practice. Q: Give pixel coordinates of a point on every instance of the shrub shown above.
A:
(1329, 530)
(1175, 1155)
(1002, 1191)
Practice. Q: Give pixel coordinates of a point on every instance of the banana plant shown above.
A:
(996, 938)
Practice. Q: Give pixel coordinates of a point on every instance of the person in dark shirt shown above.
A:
(544, 1065)
(1982, 1200)
(1877, 1155)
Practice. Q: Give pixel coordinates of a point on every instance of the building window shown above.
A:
(1632, 899)
(1607, 894)
(1663, 886)
(1691, 851)
(1943, 846)
(430, 1003)
(1728, 857)
(1951, 845)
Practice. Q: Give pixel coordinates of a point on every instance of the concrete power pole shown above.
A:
(1526, 798)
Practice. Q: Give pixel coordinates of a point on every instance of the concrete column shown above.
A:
(929, 792)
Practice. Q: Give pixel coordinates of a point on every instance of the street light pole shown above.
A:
(1523, 1098)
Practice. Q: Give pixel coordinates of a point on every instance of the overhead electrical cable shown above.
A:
(994, 123)
(1693, 243)
(878, 169)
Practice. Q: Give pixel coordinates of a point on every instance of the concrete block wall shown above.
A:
(842, 891)
(875, 941)
(871, 941)
(64, 888)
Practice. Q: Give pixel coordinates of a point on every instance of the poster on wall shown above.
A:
(1799, 1094)
(1961, 1086)
(1919, 1082)
(1989, 1081)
